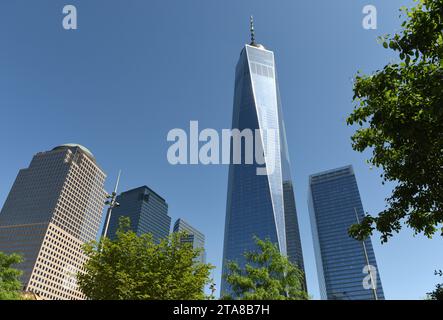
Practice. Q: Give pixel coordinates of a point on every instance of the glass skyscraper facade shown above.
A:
(334, 204)
(260, 205)
(147, 211)
(193, 236)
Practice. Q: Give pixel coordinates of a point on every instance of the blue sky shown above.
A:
(134, 70)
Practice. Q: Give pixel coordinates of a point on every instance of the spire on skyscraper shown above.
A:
(251, 22)
(253, 43)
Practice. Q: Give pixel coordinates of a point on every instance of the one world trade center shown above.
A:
(260, 205)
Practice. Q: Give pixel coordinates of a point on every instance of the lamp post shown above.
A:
(111, 203)
(213, 289)
(374, 290)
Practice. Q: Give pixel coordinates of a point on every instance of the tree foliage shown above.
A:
(437, 294)
(10, 285)
(399, 110)
(134, 267)
(267, 275)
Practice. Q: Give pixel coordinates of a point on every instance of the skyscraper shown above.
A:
(147, 211)
(334, 204)
(260, 205)
(53, 208)
(194, 237)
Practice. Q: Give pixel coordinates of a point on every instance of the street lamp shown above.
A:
(374, 290)
(111, 203)
(213, 289)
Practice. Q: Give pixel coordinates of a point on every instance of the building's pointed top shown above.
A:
(252, 31)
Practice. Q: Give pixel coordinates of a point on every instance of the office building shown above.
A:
(335, 205)
(54, 207)
(261, 205)
(193, 236)
(147, 211)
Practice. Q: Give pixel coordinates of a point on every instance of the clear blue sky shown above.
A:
(136, 69)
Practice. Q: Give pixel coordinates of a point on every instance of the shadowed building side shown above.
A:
(147, 211)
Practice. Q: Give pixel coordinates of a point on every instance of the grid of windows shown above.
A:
(334, 201)
(54, 206)
(59, 260)
(81, 198)
(262, 70)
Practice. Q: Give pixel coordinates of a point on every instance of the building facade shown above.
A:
(54, 207)
(261, 205)
(147, 211)
(334, 205)
(193, 236)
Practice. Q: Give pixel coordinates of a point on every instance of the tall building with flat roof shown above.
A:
(54, 207)
(193, 236)
(147, 211)
(261, 205)
(334, 204)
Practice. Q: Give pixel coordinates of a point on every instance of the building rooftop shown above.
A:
(143, 188)
(75, 145)
(333, 173)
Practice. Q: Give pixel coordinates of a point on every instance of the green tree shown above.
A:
(134, 267)
(267, 275)
(399, 111)
(437, 294)
(10, 285)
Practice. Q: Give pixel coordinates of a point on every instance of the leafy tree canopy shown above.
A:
(134, 267)
(267, 275)
(437, 294)
(10, 285)
(400, 114)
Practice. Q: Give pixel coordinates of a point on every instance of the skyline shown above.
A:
(107, 78)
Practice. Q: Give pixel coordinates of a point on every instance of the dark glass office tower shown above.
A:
(193, 236)
(146, 209)
(259, 205)
(334, 204)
